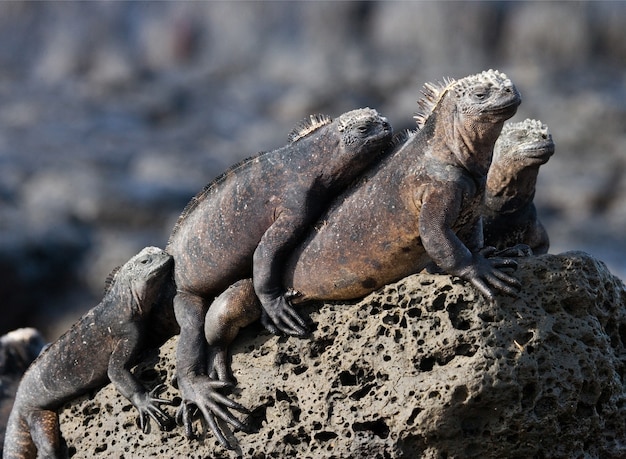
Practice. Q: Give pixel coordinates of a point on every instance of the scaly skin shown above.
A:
(246, 223)
(101, 346)
(509, 214)
(420, 204)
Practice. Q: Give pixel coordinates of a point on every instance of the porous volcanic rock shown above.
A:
(422, 368)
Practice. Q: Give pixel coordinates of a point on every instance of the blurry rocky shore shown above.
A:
(113, 114)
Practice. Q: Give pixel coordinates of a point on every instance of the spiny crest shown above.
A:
(348, 119)
(488, 77)
(528, 125)
(432, 93)
(400, 138)
(110, 280)
(307, 126)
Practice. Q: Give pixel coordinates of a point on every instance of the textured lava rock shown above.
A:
(422, 368)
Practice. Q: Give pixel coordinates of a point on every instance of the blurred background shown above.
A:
(113, 114)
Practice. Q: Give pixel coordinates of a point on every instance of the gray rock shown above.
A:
(422, 368)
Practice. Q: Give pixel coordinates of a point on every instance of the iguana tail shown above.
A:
(32, 435)
(18, 443)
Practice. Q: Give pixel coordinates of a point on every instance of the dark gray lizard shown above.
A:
(248, 220)
(18, 349)
(509, 214)
(421, 203)
(101, 346)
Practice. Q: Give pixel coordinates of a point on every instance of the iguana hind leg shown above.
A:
(235, 308)
(46, 434)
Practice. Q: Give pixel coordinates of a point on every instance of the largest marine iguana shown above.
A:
(420, 203)
(248, 220)
(103, 345)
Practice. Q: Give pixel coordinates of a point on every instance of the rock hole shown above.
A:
(584, 410)
(291, 439)
(295, 412)
(282, 358)
(439, 302)
(391, 319)
(414, 313)
(300, 369)
(362, 392)
(465, 349)
(347, 379)
(486, 317)
(319, 346)
(413, 416)
(397, 336)
(426, 364)
(545, 406)
(325, 436)
(455, 311)
(378, 428)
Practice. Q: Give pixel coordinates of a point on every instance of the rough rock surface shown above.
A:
(422, 368)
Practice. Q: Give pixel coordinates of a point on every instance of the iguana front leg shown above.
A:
(440, 209)
(147, 403)
(196, 388)
(268, 264)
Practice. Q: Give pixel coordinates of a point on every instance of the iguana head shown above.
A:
(356, 127)
(468, 114)
(344, 147)
(526, 143)
(364, 126)
(518, 153)
(146, 274)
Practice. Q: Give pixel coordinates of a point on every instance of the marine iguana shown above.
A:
(248, 220)
(101, 346)
(18, 349)
(509, 214)
(421, 203)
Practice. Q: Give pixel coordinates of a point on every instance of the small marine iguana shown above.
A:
(101, 346)
(509, 214)
(421, 203)
(248, 220)
(18, 349)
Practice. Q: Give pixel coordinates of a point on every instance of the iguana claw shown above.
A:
(202, 397)
(279, 316)
(147, 404)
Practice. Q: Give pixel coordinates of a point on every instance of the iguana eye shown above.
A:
(480, 94)
(364, 128)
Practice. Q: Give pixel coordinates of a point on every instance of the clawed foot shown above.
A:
(279, 316)
(486, 274)
(202, 397)
(147, 403)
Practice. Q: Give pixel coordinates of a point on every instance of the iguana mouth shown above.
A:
(542, 151)
(509, 109)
